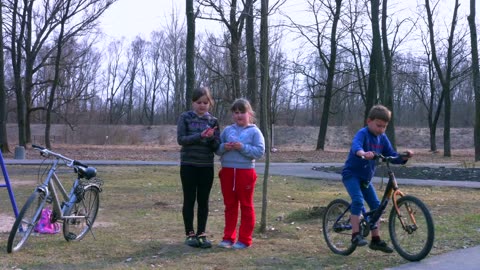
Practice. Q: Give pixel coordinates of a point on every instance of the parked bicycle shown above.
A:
(410, 224)
(77, 209)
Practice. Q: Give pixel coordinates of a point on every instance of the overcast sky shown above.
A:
(129, 18)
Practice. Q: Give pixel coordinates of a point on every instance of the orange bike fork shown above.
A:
(396, 195)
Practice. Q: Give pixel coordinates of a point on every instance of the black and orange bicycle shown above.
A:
(410, 223)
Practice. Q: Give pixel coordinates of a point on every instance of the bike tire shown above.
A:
(75, 229)
(25, 222)
(415, 242)
(338, 234)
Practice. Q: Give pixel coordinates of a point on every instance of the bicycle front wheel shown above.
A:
(85, 210)
(337, 229)
(26, 221)
(411, 228)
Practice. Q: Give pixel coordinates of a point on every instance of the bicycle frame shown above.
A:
(393, 192)
(52, 187)
(76, 208)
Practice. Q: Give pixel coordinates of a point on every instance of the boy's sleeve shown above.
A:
(389, 151)
(357, 142)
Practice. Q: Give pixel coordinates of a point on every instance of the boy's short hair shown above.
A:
(380, 112)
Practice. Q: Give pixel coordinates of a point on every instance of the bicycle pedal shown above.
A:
(71, 236)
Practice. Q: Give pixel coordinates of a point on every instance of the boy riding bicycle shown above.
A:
(359, 169)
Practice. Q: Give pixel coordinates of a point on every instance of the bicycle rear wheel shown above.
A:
(75, 229)
(25, 221)
(415, 240)
(337, 229)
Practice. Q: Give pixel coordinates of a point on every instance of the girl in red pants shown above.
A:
(241, 143)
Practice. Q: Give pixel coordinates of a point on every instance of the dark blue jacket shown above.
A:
(197, 151)
(366, 141)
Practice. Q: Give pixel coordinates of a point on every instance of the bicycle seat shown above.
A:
(86, 172)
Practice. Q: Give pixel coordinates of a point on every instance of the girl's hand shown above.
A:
(237, 145)
(208, 132)
(229, 146)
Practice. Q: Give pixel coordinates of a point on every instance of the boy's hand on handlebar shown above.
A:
(407, 154)
(366, 155)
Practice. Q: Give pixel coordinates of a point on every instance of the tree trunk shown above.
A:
(3, 93)
(56, 79)
(251, 55)
(16, 56)
(388, 88)
(236, 33)
(375, 77)
(444, 73)
(265, 112)
(330, 76)
(190, 54)
(475, 77)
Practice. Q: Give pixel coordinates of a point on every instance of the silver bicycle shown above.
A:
(77, 209)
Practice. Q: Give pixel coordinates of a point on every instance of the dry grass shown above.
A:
(140, 227)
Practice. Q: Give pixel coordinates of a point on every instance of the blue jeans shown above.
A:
(360, 191)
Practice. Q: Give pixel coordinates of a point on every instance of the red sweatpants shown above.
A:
(238, 186)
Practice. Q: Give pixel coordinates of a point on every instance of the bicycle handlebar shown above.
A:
(46, 152)
(388, 159)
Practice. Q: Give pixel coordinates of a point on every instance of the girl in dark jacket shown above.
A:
(198, 134)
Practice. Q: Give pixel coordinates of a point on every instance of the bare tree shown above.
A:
(388, 90)
(3, 92)
(356, 48)
(58, 57)
(174, 58)
(190, 54)
(330, 63)
(444, 73)
(265, 99)
(17, 32)
(153, 76)
(251, 54)
(32, 29)
(135, 56)
(475, 77)
(324, 58)
(375, 76)
(234, 23)
(116, 75)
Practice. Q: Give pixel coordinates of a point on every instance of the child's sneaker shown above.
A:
(225, 244)
(192, 240)
(359, 240)
(203, 242)
(380, 245)
(239, 245)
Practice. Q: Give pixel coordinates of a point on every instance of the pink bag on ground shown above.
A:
(45, 225)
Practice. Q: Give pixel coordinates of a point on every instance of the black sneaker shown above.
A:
(380, 245)
(203, 242)
(192, 241)
(359, 241)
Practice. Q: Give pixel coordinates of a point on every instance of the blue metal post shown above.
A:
(8, 186)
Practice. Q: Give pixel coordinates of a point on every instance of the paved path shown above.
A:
(288, 169)
(465, 259)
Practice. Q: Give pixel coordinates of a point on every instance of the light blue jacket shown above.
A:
(253, 146)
